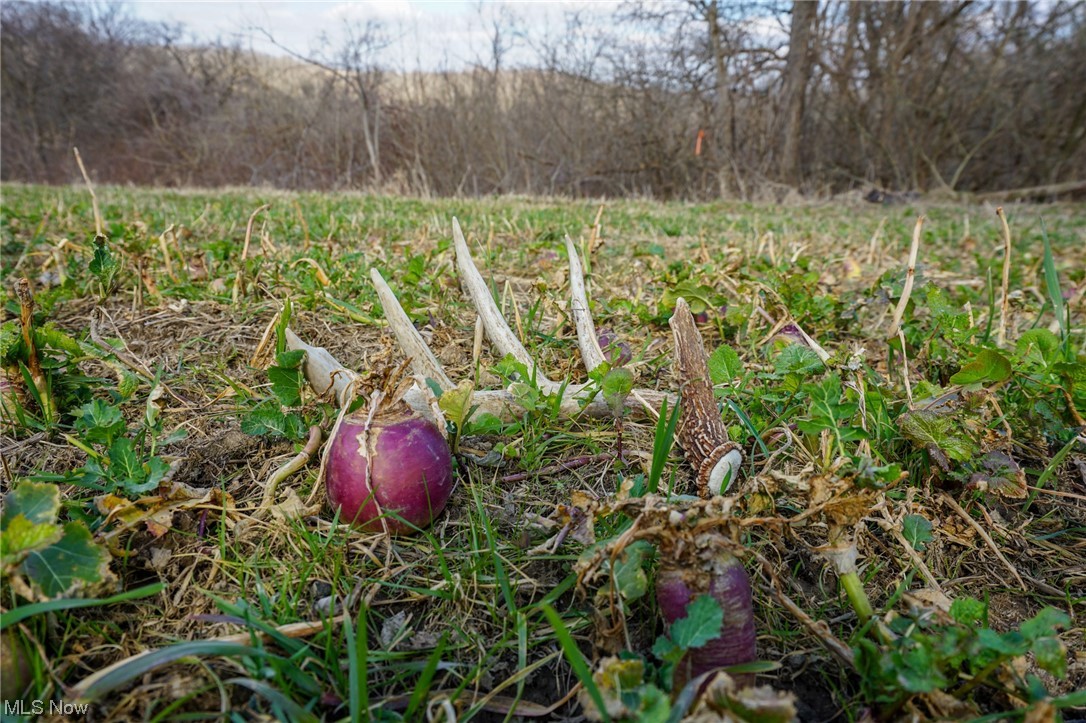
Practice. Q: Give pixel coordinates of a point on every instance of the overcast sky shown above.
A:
(427, 34)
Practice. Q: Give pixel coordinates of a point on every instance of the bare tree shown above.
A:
(797, 75)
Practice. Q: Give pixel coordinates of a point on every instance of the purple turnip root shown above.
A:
(390, 462)
(709, 571)
(615, 351)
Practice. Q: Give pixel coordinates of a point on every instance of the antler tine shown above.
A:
(587, 340)
(702, 433)
(323, 372)
(501, 336)
(423, 361)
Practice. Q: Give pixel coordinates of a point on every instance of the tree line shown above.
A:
(689, 99)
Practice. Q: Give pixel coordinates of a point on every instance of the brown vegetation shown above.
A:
(708, 101)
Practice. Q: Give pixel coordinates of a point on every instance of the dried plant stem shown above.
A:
(166, 251)
(818, 628)
(249, 230)
(873, 245)
(1001, 337)
(293, 465)
(33, 363)
(564, 465)
(905, 367)
(894, 529)
(910, 277)
(984, 536)
(99, 227)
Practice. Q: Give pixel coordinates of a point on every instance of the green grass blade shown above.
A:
(1050, 470)
(422, 688)
(499, 566)
(287, 708)
(357, 664)
(25, 611)
(110, 679)
(749, 425)
(661, 445)
(576, 659)
(1052, 282)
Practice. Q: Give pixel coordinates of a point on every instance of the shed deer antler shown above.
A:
(701, 433)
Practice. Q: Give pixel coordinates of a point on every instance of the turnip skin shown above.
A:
(409, 468)
(723, 578)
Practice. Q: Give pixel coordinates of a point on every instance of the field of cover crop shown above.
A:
(900, 531)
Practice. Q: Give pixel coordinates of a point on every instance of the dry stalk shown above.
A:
(99, 227)
(1002, 335)
(984, 536)
(249, 230)
(166, 251)
(910, 277)
(873, 245)
(905, 367)
(293, 465)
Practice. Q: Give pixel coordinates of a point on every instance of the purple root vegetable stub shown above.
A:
(724, 579)
(615, 351)
(400, 464)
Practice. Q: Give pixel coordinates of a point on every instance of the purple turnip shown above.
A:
(716, 573)
(615, 351)
(387, 465)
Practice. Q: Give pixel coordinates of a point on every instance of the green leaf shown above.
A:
(456, 403)
(1052, 282)
(666, 650)
(917, 670)
(273, 422)
(698, 296)
(702, 623)
(38, 502)
(100, 422)
(917, 530)
(21, 536)
(616, 386)
(127, 469)
(291, 359)
(925, 427)
(103, 264)
(1044, 623)
(11, 341)
(653, 706)
(987, 367)
(73, 561)
(629, 570)
(1051, 655)
(1043, 340)
(797, 359)
(286, 385)
(724, 364)
(1006, 644)
(1072, 371)
(827, 411)
(968, 611)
